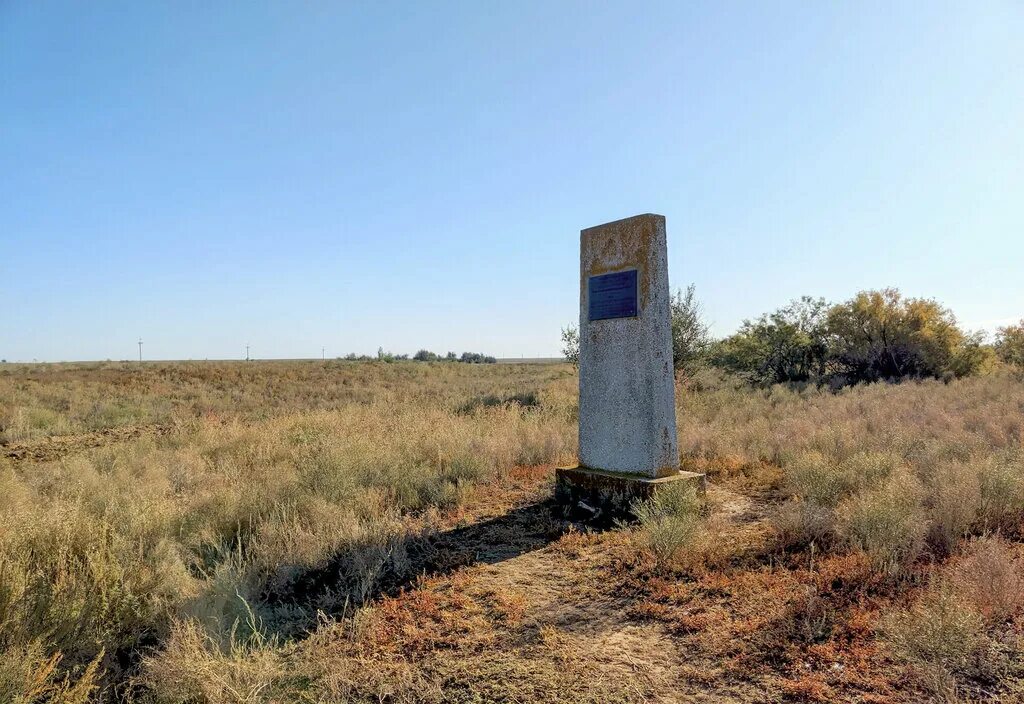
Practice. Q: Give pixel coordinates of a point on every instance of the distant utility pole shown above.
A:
(247, 353)
(140, 349)
(323, 353)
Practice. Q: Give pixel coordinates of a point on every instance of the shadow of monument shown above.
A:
(361, 573)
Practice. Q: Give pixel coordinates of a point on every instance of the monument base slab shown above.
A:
(595, 493)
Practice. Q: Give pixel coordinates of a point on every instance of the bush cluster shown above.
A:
(423, 356)
(476, 358)
(897, 510)
(875, 336)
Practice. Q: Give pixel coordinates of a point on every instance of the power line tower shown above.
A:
(323, 354)
(247, 353)
(140, 349)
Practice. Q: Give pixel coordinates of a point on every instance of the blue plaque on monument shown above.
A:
(612, 295)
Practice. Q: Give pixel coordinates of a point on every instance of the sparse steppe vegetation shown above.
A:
(349, 531)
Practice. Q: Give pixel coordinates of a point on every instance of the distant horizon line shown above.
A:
(500, 360)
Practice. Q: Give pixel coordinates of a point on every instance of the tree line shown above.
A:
(875, 336)
(422, 356)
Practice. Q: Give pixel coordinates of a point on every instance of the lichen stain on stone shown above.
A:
(618, 250)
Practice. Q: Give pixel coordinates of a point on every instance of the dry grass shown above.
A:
(959, 636)
(270, 549)
(891, 469)
(104, 552)
(38, 401)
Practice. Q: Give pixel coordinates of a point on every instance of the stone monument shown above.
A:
(627, 414)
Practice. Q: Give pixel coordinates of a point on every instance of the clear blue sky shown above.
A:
(356, 174)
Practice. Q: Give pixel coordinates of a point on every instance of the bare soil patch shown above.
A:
(57, 447)
(558, 605)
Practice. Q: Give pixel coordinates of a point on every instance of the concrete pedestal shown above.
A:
(608, 495)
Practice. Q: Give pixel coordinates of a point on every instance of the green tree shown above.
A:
(788, 345)
(882, 335)
(690, 338)
(1010, 344)
(571, 345)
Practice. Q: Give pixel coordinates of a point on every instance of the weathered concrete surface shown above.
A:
(612, 494)
(627, 389)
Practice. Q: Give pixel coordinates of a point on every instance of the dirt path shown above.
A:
(741, 517)
(561, 606)
(562, 594)
(59, 446)
(566, 620)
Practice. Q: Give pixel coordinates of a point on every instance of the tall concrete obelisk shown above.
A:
(627, 440)
(627, 386)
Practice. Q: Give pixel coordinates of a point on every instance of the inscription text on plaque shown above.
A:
(612, 295)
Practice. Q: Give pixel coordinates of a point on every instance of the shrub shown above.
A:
(571, 345)
(813, 476)
(1001, 487)
(990, 579)
(952, 634)
(670, 521)
(868, 468)
(29, 676)
(808, 618)
(798, 524)
(941, 638)
(888, 523)
(821, 484)
(521, 400)
(953, 503)
(70, 576)
(196, 668)
(973, 357)
(876, 335)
